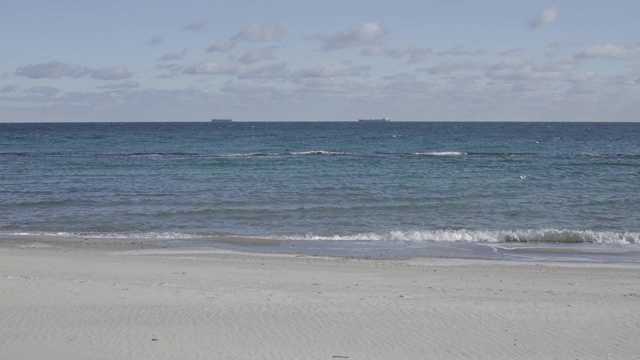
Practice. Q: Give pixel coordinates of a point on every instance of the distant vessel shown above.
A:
(384, 119)
(221, 120)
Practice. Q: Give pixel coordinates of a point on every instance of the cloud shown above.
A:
(277, 71)
(256, 55)
(611, 51)
(366, 34)
(170, 56)
(335, 69)
(519, 70)
(331, 86)
(553, 49)
(196, 26)
(120, 86)
(170, 70)
(513, 51)
(461, 50)
(212, 68)
(146, 104)
(112, 73)
(252, 93)
(222, 46)
(446, 68)
(8, 89)
(260, 32)
(155, 40)
(415, 54)
(51, 70)
(46, 91)
(545, 18)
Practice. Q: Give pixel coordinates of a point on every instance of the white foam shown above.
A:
(441, 153)
(319, 152)
(133, 235)
(487, 236)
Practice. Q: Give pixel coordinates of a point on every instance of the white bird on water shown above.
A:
(522, 177)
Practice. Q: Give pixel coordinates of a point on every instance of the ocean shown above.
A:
(523, 191)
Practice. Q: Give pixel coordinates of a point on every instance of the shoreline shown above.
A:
(80, 299)
(526, 252)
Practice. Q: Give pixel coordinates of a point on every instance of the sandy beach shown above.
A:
(77, 299)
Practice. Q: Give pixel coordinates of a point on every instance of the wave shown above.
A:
(323, 152)
(231, 155)
(43, 203)
(559, 236)
(609, 155)
(320, 152)
(489, 236)
(441, 153)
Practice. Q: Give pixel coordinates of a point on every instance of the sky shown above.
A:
(287, 60)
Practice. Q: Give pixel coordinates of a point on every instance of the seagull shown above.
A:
(522, 177)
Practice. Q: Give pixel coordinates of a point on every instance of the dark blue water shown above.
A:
(394, 182)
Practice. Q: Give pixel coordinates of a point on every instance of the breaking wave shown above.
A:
(490, 236)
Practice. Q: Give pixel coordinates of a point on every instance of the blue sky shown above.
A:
(285, 60)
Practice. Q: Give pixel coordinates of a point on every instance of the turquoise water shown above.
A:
(407, 183)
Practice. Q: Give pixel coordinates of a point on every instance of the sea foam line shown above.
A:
(96, 235)
(562, 236)
(441, 153)
(489, 236)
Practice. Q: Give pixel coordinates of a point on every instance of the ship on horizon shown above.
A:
(384, 119)
(221, 120)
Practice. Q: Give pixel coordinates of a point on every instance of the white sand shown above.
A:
(63, 302)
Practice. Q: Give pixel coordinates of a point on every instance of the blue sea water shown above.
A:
(349, 184)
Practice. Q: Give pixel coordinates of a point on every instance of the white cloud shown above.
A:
(170, 56)
(415, 54)
(612, 51)
(212, 68)
(519, 70)
(277, 71)
(260, 32)
(445, 68)
(112, 73)
(57, 69)
(222, 46)
(127, 104)
(256, 55)
(169, 70)
(335, 86)
(51, 70)
(545, 18)
(366, 34)
(196, 26)
(120, 86)
(399, 77)
(461, 50)
(335, 69)
(46, 91)
(251, 93)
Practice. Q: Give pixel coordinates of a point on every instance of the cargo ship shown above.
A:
(221, 120)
